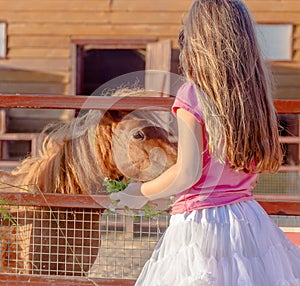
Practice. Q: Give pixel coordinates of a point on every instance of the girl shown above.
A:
(227, 128)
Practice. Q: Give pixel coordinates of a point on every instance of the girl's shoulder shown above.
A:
(187, 99)
(186, 92)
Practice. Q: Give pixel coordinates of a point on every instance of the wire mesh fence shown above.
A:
(76, 242)
(46, 241)
(82, 242)
(284, 222)
(126, 243)
(281, 183)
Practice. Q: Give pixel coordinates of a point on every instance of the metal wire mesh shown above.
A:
(47, 241)
(282, 183)
(126, 243)
(76, 242)
(82, 242)
(287, 221)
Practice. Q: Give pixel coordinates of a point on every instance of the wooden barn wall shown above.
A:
(39, 35)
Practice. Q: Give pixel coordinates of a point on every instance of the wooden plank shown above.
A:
(150, 17)
(108, 43)
(280, 204)
(23, 197)
(287, 80)
(86, 102)
(296, 56)
(28, 116)
(281, 208)
(151, 5)
(290, 168)
(32, 124)
(93, 17)
(60, 16)
(297, 31)
(294, 236)
(285, 68)
(287, 93)
(33, 87)
(158, 57)
(13, 76)
(92, 30)
(37, 64)
(296, 45)
(267, 6)
(277, 198)
(290, 139)
(38, 53)
(153, 102)
(57, 5)
(9, 163)
(76, 69)
(33, 280)
(39, 41)
(19, 136)
(287, 106)
(277, 17)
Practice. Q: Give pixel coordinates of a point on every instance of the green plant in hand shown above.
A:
(113, 186)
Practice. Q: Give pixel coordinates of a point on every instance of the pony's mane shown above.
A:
(67, 162)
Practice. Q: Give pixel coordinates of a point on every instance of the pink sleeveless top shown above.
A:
(218, 185)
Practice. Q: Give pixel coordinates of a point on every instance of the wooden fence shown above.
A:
(274, 205)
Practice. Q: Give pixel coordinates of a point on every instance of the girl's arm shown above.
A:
(188, 168)
(185, 173)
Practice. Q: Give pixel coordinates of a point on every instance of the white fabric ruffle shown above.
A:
(233, 245)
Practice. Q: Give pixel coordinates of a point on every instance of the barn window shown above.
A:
(103, 65)
(3, 40)
(276, 41)
(103, 62)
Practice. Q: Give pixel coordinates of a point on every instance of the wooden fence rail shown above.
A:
(151, 102)
(16, 280)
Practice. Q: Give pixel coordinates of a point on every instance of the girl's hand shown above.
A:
(131, 197)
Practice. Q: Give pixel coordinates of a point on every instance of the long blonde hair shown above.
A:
(220, 55)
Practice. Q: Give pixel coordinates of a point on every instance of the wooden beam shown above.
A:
(16, 279)
(151, 102)
(281, 208)
(23, 197)
(275, 204)
(287, 106)
(108, 43)
(280, 204)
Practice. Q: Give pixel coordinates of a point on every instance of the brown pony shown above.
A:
(74, 159)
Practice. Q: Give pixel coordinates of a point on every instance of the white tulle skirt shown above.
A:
(233, 245)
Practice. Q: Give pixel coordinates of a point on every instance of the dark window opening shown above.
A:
(101, 66)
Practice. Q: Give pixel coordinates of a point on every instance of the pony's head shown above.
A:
(142, 150)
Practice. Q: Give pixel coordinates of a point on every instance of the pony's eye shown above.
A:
(138, 135)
